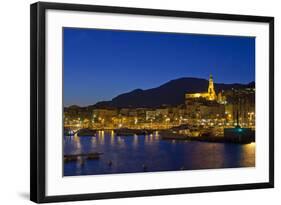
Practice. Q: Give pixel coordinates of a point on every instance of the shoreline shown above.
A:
(166, 135)
(207, 139)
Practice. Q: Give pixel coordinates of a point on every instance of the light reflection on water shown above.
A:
(132, 153)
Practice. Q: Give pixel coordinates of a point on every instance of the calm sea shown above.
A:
(149, 153)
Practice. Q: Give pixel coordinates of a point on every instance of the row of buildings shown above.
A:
(224, 109)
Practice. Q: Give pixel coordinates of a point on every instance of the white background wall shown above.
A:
(14, 100)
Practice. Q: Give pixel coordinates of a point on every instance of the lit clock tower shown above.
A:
(211, 89)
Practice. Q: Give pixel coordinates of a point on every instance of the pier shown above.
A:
(74, 157)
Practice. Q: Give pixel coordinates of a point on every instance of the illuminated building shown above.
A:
(210, 95)
(162, 112)
(150, 114)
(221, 98)
(104, 113)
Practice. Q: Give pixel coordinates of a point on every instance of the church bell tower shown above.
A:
(211, 89)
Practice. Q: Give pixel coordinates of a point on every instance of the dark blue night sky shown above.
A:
(101, 64)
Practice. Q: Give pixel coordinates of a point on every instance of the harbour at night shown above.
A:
(149, 101)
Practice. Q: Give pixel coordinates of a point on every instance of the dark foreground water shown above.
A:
(150, 153)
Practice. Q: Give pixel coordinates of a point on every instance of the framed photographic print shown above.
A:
(129, 102)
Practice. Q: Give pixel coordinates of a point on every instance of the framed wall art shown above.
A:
(129, 102)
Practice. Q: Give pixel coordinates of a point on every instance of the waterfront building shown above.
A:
(150, 114)
(104, 113)
(124, 111)
(213, 111)
(240, 108)
(162, 112)
(74, 116)
(132, 113)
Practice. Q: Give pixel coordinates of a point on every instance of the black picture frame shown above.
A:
(38, 103)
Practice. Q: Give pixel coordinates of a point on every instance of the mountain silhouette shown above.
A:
(171, 93)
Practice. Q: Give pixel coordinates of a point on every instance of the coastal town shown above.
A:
(136, 101)
(223, 116)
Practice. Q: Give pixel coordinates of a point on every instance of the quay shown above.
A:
(74, 157)
(130, 132)
(229, 137)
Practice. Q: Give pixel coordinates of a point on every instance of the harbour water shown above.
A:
(148, 153)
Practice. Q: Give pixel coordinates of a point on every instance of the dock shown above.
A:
(74, 157)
